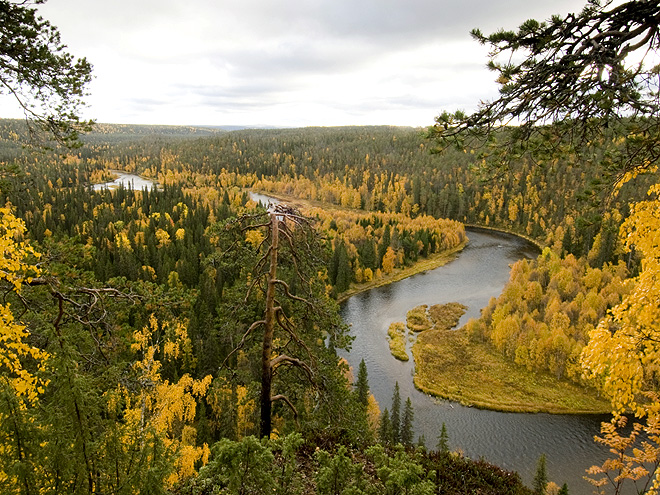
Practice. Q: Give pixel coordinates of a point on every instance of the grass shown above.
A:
(450, 366)
(397, 338)
(446, 316)
(417, 319)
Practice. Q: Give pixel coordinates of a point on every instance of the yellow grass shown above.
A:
(397, 338)
(417, 319)
(450, 366)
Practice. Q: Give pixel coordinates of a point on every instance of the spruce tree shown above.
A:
(407, 424)
(385, 429)
(395, 416)
(541, 477)
(362, 385)
(443, 440)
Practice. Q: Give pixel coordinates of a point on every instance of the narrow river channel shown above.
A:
(511, 441)
(133, 181)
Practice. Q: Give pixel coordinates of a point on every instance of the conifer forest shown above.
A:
(185, 337)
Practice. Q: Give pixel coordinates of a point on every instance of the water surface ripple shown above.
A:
(512, 441)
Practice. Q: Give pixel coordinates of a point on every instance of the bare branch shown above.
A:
(285, 323)
(284, 359)
(240, 345)
(289, 403)
(287, 291)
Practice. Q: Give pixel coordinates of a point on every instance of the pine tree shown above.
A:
(563, 490)
(48, 83)
(407, 424)
(541, 477)
(395, 416)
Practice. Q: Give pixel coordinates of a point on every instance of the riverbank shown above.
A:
(420, 266)
(430, 263)
(450, 366)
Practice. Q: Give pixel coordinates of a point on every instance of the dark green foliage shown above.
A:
(337, 474)
(362, 384)
(540, 482)
(339, 270)
(395, 415)
(407, 424)
(563, 490)
(48, 83)
(287, 467)
(443, 441)
(385, 428)
(400, 473)
(244, 467)
(456, 475)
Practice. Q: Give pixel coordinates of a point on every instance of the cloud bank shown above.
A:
(286, 62)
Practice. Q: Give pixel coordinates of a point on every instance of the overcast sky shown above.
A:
(285, 62)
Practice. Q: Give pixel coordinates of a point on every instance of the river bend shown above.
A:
(512, 441)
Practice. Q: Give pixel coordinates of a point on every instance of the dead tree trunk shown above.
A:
(269, 330)
(289, 235)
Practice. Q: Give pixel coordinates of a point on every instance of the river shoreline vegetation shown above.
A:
(184, 339)
(140, 337)
(164, 243)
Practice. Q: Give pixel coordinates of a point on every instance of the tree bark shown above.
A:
(269, 329)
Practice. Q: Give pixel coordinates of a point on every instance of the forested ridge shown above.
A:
(390, 169)
(150, 302)
(136, 343)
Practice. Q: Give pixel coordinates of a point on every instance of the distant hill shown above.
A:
(129, 132)
(16, 130)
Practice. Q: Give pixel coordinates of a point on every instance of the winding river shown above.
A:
(512, 441)
(509, 440)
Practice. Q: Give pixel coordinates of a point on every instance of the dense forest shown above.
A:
(185, 339)
(140, 316)
(135, 362)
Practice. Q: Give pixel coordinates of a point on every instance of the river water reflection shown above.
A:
(133, 181)
(512, 441)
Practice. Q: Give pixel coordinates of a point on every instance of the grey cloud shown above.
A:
(245, 54)
(392, 21)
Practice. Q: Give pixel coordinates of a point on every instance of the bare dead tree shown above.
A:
(286, 230)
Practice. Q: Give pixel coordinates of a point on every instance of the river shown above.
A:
(511, 441)
(133, 181)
